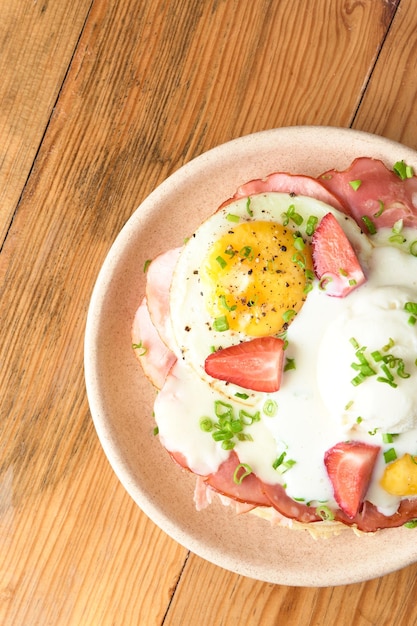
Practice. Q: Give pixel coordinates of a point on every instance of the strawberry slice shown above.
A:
(349, 466)
(335, 262)
(254, 364)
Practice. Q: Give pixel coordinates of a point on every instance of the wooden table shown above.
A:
(100, 100)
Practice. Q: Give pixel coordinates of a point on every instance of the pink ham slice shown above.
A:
(155, 357)
(378, 184)
(248, 491)
(158, 284)
(293, 184)
(371, 520)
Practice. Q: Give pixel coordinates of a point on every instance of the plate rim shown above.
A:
(107, 437)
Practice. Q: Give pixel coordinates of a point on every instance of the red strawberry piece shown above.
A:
(349, 466)
(335, 262)
(254, 364)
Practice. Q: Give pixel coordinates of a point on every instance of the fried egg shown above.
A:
(246, 272)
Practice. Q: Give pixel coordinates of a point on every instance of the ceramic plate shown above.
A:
(121, 398)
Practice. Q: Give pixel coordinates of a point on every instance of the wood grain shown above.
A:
(98, 105)
(37, 41)
(389, 107)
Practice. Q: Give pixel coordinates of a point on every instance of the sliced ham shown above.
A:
(293, 184)
(378, 185)
(370, 519)
(158, 284)
(155, 357)
(249, 490)
(287, 506)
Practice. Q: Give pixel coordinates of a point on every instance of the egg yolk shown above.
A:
(254, 278)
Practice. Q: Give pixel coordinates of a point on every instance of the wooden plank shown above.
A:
(37, 41)
(389, 107)
(152, 84)
(226, 598)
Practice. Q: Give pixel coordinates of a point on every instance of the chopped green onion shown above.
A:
(359, 419)
(279, 460)
(413, 248)
(220, 260)
(387, 438)
(229, 251)
(146, 265)
(369, 224)
(288, 315)
(354, 343)
(349, 405)
(397, 239)
(324, 281)
(390, 455)
(286, 465)
(225, 305)
(232, 218)
(270, 407)
(221, 324)
(291, 214)
(243, 396)
(311, 225)
(246, 471)
(325, 513)
(412, 320)
(299, 243)
(141, 347)
(246, 252)
(206, 424)
(397, 227)
(380, 210)
(412, 523)
(355, 184)
(247, 419)
(223, 409)
(289, 364)
(299, 259)
(411, 307)
(403, 170)
(156, 431)
(248, 209)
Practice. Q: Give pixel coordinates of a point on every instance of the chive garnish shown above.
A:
(369, 224)
(146, 265)
(139, 346)
(239, 475)
(288, 315)
(289, 364)
(220, 260)
(224, 304)
(221, 324)
(248, 209)
(355, 184)
(311, 225)
(381, 209)
(390, 455)
(325, 513)
(270, 407)
(412, 523)
(413, 248)
(232, 218)
(403, 170)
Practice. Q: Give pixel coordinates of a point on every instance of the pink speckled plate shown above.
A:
(121, 398)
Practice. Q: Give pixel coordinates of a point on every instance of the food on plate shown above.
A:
(282, 340)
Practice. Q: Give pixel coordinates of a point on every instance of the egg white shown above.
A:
(191, 323)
